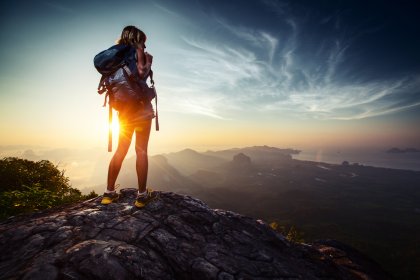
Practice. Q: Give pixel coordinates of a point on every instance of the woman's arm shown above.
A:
(144, 63)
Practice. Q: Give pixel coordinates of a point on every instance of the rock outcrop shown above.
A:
(241, 159)
(174, 237)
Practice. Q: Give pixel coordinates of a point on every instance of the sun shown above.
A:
(115, 126)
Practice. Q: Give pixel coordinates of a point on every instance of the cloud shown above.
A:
(236, 68)
(279, 8)
(355, 101)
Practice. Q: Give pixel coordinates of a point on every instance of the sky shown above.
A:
(296, 74)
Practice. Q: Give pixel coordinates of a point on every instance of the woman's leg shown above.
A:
(124, 141)
(142, 164)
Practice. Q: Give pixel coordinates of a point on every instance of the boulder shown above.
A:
(173, 237)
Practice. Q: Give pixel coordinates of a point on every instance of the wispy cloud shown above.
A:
(356, 101)
(264, 71)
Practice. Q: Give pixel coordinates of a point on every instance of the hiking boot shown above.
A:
(109, 198)
(142, 200)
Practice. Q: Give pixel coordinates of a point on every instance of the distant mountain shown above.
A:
(400, 151)
(242, 160)
(259, 154)
(189, 161)
(231, 172)
(161, 175)
(207, 178)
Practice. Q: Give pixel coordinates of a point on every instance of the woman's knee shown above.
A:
(141, 151)
(121, 152)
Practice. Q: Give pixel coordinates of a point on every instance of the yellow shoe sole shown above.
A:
(108, 200)
(139, 204)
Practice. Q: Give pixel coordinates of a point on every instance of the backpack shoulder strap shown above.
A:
(110, 129)
(157, 114)
(151, 77)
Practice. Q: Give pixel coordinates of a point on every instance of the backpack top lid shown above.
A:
(109, 60)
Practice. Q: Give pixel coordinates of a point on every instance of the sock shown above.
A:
(142, 194)
(107, 191)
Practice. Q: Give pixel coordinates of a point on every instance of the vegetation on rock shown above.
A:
(27, 186)
(291, 233)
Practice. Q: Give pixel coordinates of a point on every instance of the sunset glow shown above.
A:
(228, 74)
(115, 126)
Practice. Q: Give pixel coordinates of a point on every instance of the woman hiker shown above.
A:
(135, 119)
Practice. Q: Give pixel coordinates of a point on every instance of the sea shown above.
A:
(368, 157)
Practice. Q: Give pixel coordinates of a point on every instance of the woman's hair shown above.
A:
(131, 35)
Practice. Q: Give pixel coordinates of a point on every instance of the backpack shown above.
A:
(118, 66)
(121, 81)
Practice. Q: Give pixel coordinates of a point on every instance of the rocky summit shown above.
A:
(174, 237)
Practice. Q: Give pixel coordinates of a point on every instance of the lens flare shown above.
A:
(115, 126)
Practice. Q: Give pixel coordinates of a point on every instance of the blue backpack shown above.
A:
(118, 66)
(121, 81)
